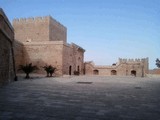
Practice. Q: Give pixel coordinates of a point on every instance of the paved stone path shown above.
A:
(81, 98)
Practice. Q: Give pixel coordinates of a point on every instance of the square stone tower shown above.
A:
(39, 29)
(43, 40)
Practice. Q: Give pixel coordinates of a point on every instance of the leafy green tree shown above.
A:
(28, 68)
(49, 70)
(158, 63)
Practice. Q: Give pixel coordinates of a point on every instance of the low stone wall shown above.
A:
(155, 71)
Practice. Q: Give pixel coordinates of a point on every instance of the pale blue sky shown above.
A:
(107, 29)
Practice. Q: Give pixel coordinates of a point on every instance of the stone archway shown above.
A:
(133, 72)
(113, 72)
(95, 72)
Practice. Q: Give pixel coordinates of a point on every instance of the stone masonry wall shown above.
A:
(7, 68)
(43, 40)
(74, 57)
(155, 71)
(44, 53)
(19, 54)
(31, 29)
(39, 29)
(57, 32)
(89, 68)
(140, 62)
(123, 68)
(79, 58)
(68, 60)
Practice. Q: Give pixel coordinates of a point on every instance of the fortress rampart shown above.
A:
(39, 29)
(38, 19)
(125, 67)
(132, 60)
(7, 66)
(44, 41)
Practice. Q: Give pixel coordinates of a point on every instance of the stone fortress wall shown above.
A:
(43, 40)
(57, 32)
(7, 67)
(39, 29)
(124, 67)
(73, 57)
(155, 71)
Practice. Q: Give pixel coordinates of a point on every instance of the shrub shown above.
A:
(28, 68)
(49, 70)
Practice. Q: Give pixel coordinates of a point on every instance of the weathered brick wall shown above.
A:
(7, 68)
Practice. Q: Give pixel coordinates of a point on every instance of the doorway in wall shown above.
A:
(70, 70)
(133, 72)
(78, 68)
(95, 72)
(113, 72)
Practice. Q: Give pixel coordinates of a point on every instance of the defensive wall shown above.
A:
(39, 29)
(155, 71)
(124, 67)
(43, 40)
(55, 53)
(7, 66)
(73, 59)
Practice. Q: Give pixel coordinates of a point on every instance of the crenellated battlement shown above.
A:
(39, 29)
(31, 19)
(132, 60)
(38, 19)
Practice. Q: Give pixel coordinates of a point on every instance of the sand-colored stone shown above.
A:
(39, 29)
(7, 68)
(155, 71)
(41, 41)
(124, 67)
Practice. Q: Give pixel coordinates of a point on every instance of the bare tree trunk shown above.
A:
(27, 76)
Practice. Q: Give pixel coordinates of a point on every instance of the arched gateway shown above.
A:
(133, 72)
(95, 72)
(113, 72)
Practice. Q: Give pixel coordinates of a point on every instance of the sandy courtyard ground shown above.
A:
(81, 98)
